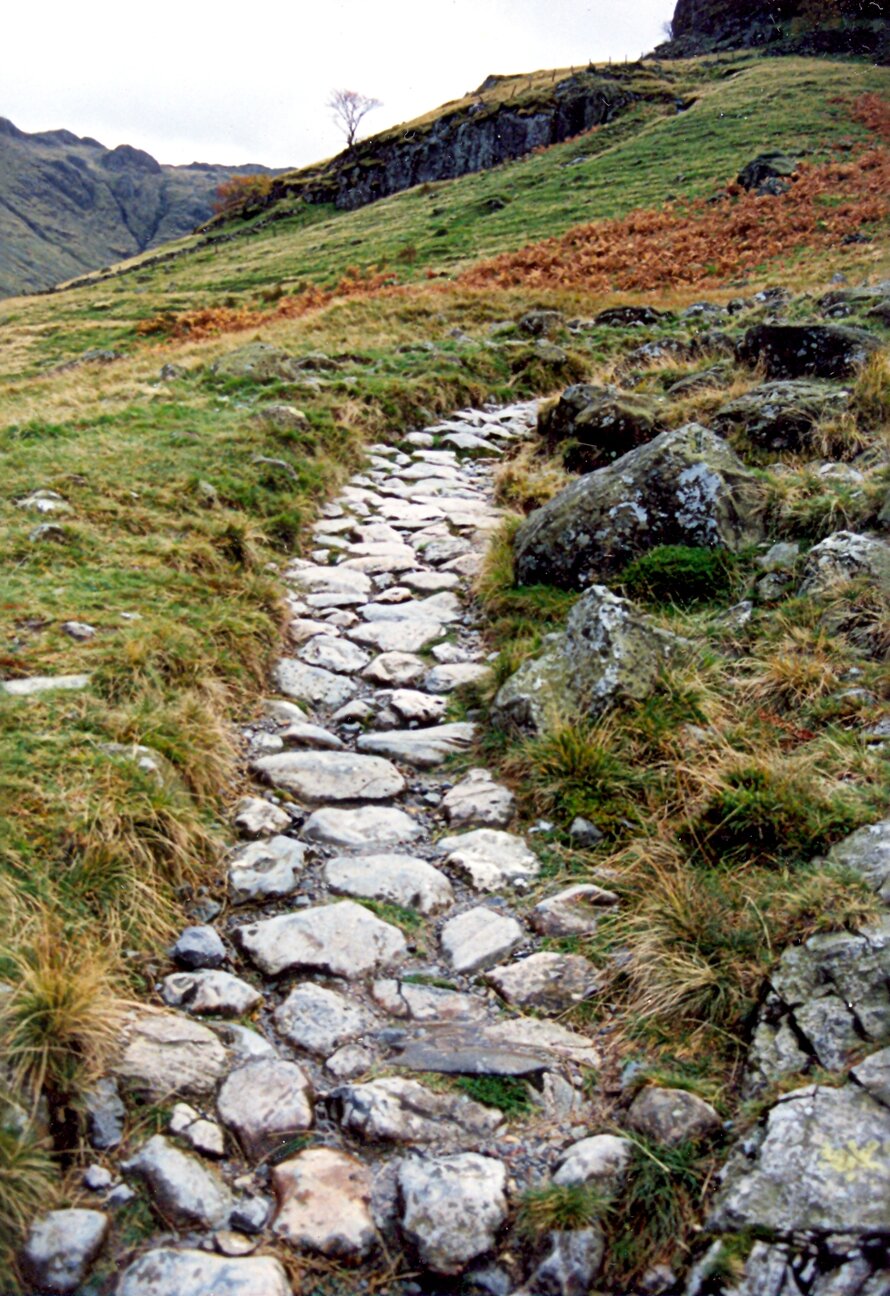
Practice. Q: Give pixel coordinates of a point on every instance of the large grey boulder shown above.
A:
(168, 1272)
(781, 415)
(60, 1248)
(846, 556)
(867, 852)
(807, 350)
(817, 1167)
(610, 651)
(452, 1208)
(685, 487)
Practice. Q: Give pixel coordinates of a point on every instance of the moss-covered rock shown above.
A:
(593, 426)
(781, 415)
(685, 487)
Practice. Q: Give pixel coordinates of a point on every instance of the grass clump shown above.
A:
(508, 1094)
(559, 1208)
(26, 1187)
(682, 575)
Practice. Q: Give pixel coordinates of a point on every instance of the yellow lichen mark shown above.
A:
(854, 1160)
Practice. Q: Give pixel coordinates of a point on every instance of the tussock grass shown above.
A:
(558, 1208)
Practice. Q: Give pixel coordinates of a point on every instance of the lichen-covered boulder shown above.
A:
(609, 651)
(593, 426)
(806, 350)
(259, 361)
(781, 415)
(846, 556)
(685, 487)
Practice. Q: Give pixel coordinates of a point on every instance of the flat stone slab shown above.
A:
(400, 1110)
(321, 777)
(547, 981)
(427, 1003)
(329, 580)
(266, 870)
(209, 990)
(397, 636)
(477, 799)
(395, 668)
(169, 1272)
(361, 828)
(42, 684)
(450, 1050)
(430, 582)
(264, 1103)
(342, 939)
(167, 1055)
(479, 938)
(324, 1203)
(397, 879)
(334, 654)
(489, 858)
(320, 1020)
(256, 817)
(422, 748)
(444, 607)
(311, 684)
(445, 679)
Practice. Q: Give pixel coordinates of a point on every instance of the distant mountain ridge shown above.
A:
(69, 204)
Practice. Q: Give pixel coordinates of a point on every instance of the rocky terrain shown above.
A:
(69, 204)
(835, 27)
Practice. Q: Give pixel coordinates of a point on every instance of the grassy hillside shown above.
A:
(176, 521)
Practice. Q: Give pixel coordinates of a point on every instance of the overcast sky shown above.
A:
(248, 82)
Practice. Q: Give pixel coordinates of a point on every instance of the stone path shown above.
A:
(373, 925)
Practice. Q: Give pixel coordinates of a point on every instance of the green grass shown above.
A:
(509, 1095)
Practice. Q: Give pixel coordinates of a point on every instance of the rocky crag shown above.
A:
(390, 931)
(788, 27)
(69, 204)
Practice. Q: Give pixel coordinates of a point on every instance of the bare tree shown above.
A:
(348, 107)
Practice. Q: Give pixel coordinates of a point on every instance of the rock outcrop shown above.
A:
(783, 27)
(685, 487)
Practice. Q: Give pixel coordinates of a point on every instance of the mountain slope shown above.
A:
(68, 204)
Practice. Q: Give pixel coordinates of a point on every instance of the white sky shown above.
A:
(233, 83)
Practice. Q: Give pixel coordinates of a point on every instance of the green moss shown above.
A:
(509, 1095)
(682, 575)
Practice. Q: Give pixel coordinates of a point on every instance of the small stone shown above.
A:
(604, 1156)
(250, 1214)
(396, 879)
(349, 1062)
(169, 1272)
(452, 1208)
(79, 630)
(479, 938)
(185, 1192)
(310, 735)
(490, 858)
(97, 1178)
(320, 1020)
(230, 1243)
(105, 1114)
(303, 628)
(256, 817)
(202, 1135)
(672, 1116)
(324, 1199)
(342, 939)
(284, 713)
(264, 1103)
(199, 947)
(414, 707)
(210, 991)
(584, 834)
(572, 1263)
(361, 828)
(572, 912)
(395, 668)
(311, 684)
(447, 678)
(334, 654)
(61, 1248)
(477, 799)
(550, 982)
(266, 870)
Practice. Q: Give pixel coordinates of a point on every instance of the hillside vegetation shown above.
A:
(183, 483)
